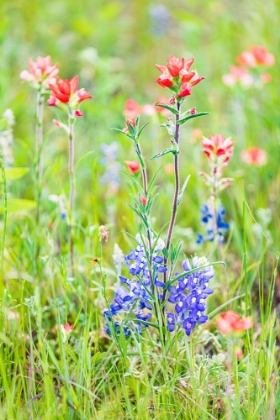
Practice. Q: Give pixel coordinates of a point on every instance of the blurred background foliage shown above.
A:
(114, 46)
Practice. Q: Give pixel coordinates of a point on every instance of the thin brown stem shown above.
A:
(176, 194)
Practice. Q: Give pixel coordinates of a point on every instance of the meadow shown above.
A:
(139, 210)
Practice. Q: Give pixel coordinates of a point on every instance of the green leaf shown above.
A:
(141, 129)
(151, 183)
(14, 173)
(165, 252)
(194, 270)
(82, 159)
(142, 217)
(18, 204)
(170, 108)
(181, 193)
(171, 150)
(123, 132)
(189, 117)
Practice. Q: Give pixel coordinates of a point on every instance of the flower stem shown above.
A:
(175, 199)
(145, 188)
(4, 225)
(39, 163)
(72, 189)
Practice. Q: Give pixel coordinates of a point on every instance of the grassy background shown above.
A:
(114, 46)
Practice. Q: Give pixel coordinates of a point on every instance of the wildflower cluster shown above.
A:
(248, 60)
(218, 151)
(65, 95)
(136, 296)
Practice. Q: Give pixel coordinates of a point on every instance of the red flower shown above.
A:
(132, 109)
(66, 91)
(230, 321)
(254, 156)
(177, 74)
(103, 232)
(238, 74)
(128, 123)
(256, 55)
(143, 200)
(133, 166)
(68, 327)
(217, 146)
(40, 71)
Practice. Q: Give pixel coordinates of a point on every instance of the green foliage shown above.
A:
(113, 46)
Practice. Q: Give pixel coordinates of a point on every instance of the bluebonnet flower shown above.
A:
(161, 18)
(111, 178)
(207, 219)
(118, 258)
(6, 138)
(189, 296)
(135, 297)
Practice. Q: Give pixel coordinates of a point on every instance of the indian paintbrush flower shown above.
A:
(41, 73)
(254, 156)
(231, 322)
(66, 92)
(178, 77)
(217, 148)
(257, 55)
(240, 75)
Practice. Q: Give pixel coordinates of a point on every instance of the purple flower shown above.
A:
(189, 294)
(135, 295)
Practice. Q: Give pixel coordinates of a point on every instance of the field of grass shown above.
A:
(58, 360)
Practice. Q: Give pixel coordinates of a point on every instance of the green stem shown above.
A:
(4, 226)
(72, 189)
(39, 162)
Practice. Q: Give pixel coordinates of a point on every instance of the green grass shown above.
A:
(89, 375)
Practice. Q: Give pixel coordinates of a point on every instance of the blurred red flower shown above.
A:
(40, 71)
(143, 200)
(230, 321)
(254, 156)
(256, 55)
(217, 146)
(238, 74)
(133, 166)
(132, 109)
(129, 122)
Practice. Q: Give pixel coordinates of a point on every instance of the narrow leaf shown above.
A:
(17, 204)
(175, 152)
(181, 193)
(189, 117)
(170, 108)
(82, 159)
(14, 173)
